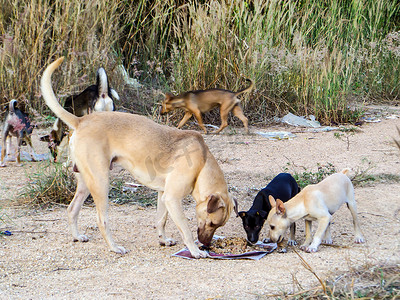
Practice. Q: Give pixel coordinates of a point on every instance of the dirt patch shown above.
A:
(40, 260)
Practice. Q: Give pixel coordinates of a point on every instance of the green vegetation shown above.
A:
(52, 183)
(307, 177)
(305, 56)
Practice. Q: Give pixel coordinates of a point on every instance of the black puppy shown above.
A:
(16, 124)
(283, 187)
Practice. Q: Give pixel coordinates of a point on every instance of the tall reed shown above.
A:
(305, 56)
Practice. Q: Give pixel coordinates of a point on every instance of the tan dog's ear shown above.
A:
(169, 96)
(272, 201)
(280, 208)
(214, 203)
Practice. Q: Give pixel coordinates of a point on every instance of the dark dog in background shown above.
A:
(98, 97)
(16, 124)
(283, 187)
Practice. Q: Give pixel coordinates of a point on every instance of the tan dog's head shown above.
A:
(170, 103)
(277, 220)
(212, 214)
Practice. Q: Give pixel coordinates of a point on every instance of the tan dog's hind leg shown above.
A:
(94, 170)
(238, 112)
(74, 207)
(161, 220)
(185, 118)
(351, 205)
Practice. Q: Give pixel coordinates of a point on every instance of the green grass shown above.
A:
(307, 177)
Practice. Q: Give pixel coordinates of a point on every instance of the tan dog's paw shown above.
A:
(199, 254)
(168, 242)
(119, 250)
(81, 238)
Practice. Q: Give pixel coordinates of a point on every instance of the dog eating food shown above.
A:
(233, 245)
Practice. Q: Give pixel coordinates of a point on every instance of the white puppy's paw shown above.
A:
(168, 242)
(328, 241)
(311, 249)
(359, 240)
(291, 242)
(81, 238)
(119, 250)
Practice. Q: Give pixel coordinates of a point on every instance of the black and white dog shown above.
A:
(16, 124)
(98, 97)
(283, 187)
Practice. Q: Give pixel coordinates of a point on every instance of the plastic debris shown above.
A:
(6, 232)
(294, 120)
(277, 135)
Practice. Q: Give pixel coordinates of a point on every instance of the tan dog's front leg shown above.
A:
(197, 114)
(185, 118)
(308, 240)
(174, 208)
(323, 223)
(161, 220)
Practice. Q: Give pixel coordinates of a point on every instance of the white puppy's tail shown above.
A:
(345, 171)
(47, 91)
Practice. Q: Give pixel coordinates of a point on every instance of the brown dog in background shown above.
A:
(201, 101)
(173, 162)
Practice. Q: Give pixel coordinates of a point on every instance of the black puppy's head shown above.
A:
(253, 221)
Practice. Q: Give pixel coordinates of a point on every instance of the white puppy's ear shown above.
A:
(272, 201)
(280, 208)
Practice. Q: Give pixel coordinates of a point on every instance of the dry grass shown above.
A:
(306, 57)
(366, 282)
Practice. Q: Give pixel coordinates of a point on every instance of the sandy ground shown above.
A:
(40, 261)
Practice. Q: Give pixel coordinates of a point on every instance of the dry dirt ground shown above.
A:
(40, 261)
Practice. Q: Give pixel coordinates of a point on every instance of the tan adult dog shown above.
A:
(317, 202)
(201, 101)
(173, 162)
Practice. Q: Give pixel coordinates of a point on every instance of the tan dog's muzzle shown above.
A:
(205, 237)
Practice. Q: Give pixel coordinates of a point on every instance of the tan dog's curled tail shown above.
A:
(345, 171)
(245, 89)
(48, 94)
